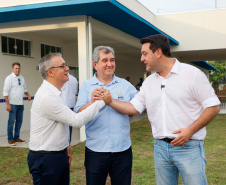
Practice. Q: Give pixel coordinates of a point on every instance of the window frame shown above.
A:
(50, 46)
(25, 49)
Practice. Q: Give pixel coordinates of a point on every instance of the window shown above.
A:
(16, 46)
(46, 49)
(74, 72)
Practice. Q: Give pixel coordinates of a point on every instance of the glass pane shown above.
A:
(12, 45)
(47, 49)
(59, 50)
(53, 49)
(27, 48)
(42, 50)
(4, 44)
(19, 44)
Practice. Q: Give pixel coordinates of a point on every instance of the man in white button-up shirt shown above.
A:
(50, 155)
(180, 102)
(13, 92)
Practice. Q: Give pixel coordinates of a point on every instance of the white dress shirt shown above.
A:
(175, 101)
(70, 89)
(14, 90)
(50, 118)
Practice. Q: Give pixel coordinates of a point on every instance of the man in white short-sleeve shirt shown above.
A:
(180, 102)
(50, 155)
(13, 92)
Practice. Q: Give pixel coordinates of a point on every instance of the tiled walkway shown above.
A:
(25, 135)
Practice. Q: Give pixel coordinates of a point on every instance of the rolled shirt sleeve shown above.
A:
(203, 91)
(138, 101)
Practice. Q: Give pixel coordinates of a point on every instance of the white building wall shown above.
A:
(139, 9)
(28, 70)
(203, 30)
(125, 67)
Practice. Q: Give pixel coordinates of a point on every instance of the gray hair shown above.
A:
(46, 62)
(100, 49)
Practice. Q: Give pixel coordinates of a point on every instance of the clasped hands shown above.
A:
(101, 94)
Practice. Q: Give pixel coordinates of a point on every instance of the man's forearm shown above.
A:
(84, 106)
(123, 107)
(6, 100)
(207, 115)
(185, 134)
(8, 106)
(27, 94)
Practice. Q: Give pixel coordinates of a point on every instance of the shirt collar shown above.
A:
(95, 80)
(175, 69)
(15, 75)
(176, 66)
(52, 87)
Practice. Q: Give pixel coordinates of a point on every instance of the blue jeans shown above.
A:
(188, 160)
(16, 114)
(99, 164)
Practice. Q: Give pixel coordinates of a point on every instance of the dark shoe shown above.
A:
(12, 143)
(19, 141)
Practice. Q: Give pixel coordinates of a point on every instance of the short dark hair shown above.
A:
(15, 63)
(158, 41)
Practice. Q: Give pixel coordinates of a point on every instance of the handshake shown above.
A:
(101, 94)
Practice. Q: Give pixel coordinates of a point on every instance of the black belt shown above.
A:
(48, 152)
(168, 140)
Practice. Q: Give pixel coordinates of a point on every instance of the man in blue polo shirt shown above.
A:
(108, 144)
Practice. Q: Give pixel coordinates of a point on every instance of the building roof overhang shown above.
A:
(204, 65)
(110, 12)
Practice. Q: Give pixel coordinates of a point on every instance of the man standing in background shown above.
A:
(13, 92)
(70, 89)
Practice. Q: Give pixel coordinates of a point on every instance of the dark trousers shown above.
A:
(49, 168)
(99, 164)
(70, 128)
(70, 132)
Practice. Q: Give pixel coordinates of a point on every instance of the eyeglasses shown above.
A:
(64, 66)
(19, 81)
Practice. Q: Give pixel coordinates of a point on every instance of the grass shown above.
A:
(14, 169)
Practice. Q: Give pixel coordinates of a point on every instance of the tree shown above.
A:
(219, 76)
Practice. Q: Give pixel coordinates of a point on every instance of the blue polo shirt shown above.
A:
(110, 130)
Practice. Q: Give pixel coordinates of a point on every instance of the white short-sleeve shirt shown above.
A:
(175, 101)
(14, 88)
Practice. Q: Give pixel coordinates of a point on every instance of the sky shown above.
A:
(177, 6)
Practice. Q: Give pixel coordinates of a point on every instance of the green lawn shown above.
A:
(14, 170)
